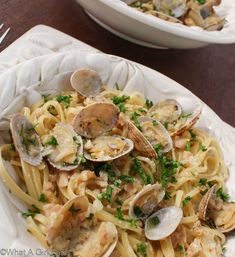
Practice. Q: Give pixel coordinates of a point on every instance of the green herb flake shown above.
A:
(142, 249)
(119, 201)
(64, 99)
(185, 116)
(154, 221)
(186, 200)
(12, 147)
(224, 196)
(107, 194)
(31, 213)
(202, 148)
(126, 179)
(211, 183)
(187, 146)
(201, 2)
(155, 123)
(120, 99)
(202, 182)
(42, 198)
(167, 196)
(140, 171)
(181, 249)
(122, 107)
(193, 135)
(137, 211)
(119, 214)
(165, 124)
(52, 141)
(73, 210)
(75, 139)
(148, 103)
(134, 117)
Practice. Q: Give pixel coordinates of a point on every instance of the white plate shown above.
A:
(147, 30)
(23, 84)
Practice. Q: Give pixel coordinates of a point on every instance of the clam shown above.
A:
(26, 140)
(170, 113)
(63, 147)
(175, 8)
(96, 119)
(107, 148)
(163, 223)
(70, 230)
(86, 82)
(156, 133)
(146, 201)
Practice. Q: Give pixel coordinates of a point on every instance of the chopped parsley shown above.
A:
(154, 122)
(167, 195)
(134, 118)
(31, 213)
(193, 135)
(83, 159)
(126, 179)
(187, 146)
(120, 99)
(148, 103)
(119, 214)
(42, 198)
(165, 124)
(181, 249)
(167, 166)
(147, 179)
(107, 194)
(219, 193)
(106, 167)
(122, 107)
(52, 141)
(185, 116)
(28, 138)
(154, 221)
(186, 200)
(75, 139)
(200, 2)
(202, 182)
(142, 249)
(64, 99)
(11, 147)
(202, 148)
(119, 202)
(211, 183)
(137, 211)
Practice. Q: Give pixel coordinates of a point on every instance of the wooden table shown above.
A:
(208, 72)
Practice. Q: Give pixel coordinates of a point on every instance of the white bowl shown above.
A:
(147, 30)
(24, 84)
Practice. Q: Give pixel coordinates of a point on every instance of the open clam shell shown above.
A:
(26, 140)
(156, 133)
(176, 116)
(224, 224)
(107, 148)
(63, 147)
(67, 230)
(204, 203)
(163, 223)
(146, 201)
(96, 119)
(86, 82)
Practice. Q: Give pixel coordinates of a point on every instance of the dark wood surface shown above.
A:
(208, 72)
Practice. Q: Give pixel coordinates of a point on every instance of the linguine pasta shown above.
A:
(106, 190)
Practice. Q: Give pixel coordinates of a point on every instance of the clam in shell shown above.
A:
(26, 140)
(146, 201)
(70, 230)
(163, 223)
(170, 113)
(156, 133)
(63, 147)
(86, 82)
(96, 119)
(107, 148)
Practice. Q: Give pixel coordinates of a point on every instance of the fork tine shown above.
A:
(1, 25)
(4, 35)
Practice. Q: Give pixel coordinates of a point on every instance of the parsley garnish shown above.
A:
(165, 124)
(31, 213)
(202, 182)
(211, 183)
(186, 200)
(140, 171)
(75, 139)
(27, 137)
(193, 135)
(202, 148)
(185, 116)
(126, 178)
(148, 103)
(154, 221)
(167, 195)
(120, 99)
(187, 146)
(42, 198)
(200, 2)
(134, 118)
(137, 211)
(64, 99)
(119, 213)
(142, 249)
(219, 193)
(106, 167)
(107, 194)
(181, 249)
(154, 122)
(52, 141)
(122, 107)
(11, 147)
(119, 202)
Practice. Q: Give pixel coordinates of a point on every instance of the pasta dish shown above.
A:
(188, 12)
(109, 173)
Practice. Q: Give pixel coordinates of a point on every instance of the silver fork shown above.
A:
(4, 34)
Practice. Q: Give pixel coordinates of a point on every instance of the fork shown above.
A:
(4, 34)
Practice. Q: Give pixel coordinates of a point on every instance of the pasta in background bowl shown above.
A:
(51, 74)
